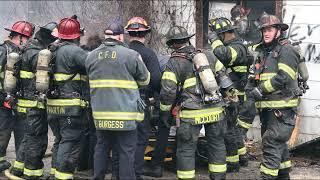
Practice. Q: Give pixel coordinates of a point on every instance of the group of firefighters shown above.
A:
(104, 92)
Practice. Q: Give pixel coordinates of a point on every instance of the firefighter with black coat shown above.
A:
(190, 90)
(138, 28)
(276, 94)
(233, 54)
(20, 32)
(66, 105)
(36, 128)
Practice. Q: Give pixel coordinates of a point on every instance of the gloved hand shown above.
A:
(255, 93)
(213, 36)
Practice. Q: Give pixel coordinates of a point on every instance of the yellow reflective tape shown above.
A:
(146, 82)
(61, 175)
(217, 168)
(288, 70)
(18, 165)
(218, 66)
(241, 69)
(268, 86)
(224, 24)
(21, 110)
(266, 76)
(215, 44)
(277, 104)
(189, 82)
(26, 75)
(241, 93)
(164, 107)
(66, 102)
(2, 158)
(30, 172)
(200, 113)
(218, 26)
(242, 151)
(169, 76)
(53, 171)
(234, 55)
(285, 165)
(118, 115)
(232, 159)
(186, 174)
(83, 77)
(30, 103)
(272, 172)
(64, 77)
(243, 124)
(113, 83)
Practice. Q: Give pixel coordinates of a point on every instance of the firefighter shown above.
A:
(66, 105)
(115, 74)
(138, 28)
(20, 32)
(189, 90)
(36, 128)
(276, 94)
(233, 54)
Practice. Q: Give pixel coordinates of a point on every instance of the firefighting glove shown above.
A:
(255, 93)
(213, 36)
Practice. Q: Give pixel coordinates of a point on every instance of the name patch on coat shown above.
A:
(103, 124)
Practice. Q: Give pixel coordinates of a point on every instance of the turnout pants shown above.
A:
(8, 123)
(161, 144)
(68, 132)
(187, 137)
(122, 142)
(277, 126)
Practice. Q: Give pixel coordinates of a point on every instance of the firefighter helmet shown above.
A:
(177, 33)
(22, 27)
(51, 27)
(267, 20)
(137, 24)
(69, 28)
(220, 25)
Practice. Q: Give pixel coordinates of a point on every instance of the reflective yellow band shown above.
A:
(218, 66)
(18, 165)
(53, 171)
(66, 102)
(113, 83)
(186, 174)
(21, 110)
(61, 175)
(242, 69)
(118, 115)
(164, 107)
(146, 82)
(200, 113)
(170, 76)
(189, 82)
(287, 69)
(243, 124)
(234, 55)
(233, 159)
(285, 165)
(266, 76)
(36, 172)
(215, 44)
(277, 104)
(26, 75)
(241, 93)
(217, 168)
(267, 84)
(272, 172)
(83, 77)
(242, 151)
(2, 158)
(30, 103)
(64, 77)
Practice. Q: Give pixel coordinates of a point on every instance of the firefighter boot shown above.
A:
(153, 171)
(233, 167)
(244, 160)
(4, 165)
(16, 172)
(283, 174)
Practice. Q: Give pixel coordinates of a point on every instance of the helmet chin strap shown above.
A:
(20, 40)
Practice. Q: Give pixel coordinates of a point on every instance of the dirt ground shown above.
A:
(304, 168)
